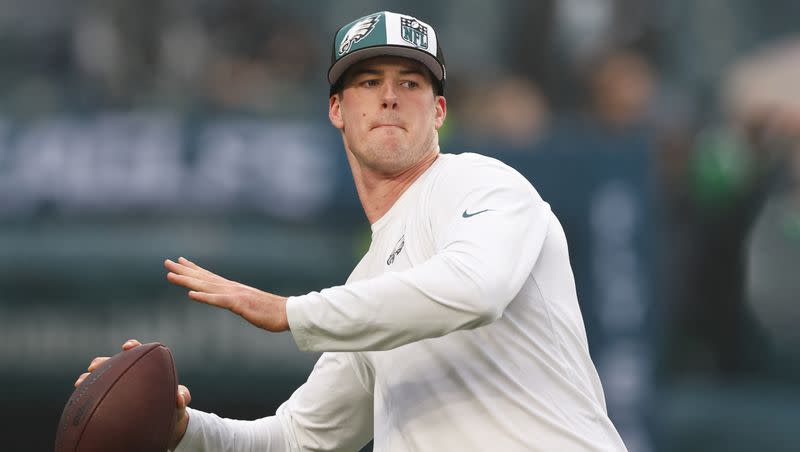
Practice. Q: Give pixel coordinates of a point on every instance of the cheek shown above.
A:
(353, 119)
(427, 121)
(354, 113)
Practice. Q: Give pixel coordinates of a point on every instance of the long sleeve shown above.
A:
(488, 225)
(331, 411)
(209, 432)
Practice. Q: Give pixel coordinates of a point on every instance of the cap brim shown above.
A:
(350, 59)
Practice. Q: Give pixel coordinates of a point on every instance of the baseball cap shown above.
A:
(387, 34)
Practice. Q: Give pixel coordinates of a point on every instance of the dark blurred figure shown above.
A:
(263, 59)
(115, 52)
(620, 111)
(773, 270)
(621, 89)
(243, 56)
(711, 334)
(562, 36)
(740, 175)
(735, 248)
(764, 94)
(510, 113)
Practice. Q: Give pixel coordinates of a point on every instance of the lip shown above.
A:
(378, 126)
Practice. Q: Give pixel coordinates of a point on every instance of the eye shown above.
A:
(370, 83)
(410, 84)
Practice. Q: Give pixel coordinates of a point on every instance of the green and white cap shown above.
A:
(386, 34)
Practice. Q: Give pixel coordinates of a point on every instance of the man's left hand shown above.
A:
(260, 308)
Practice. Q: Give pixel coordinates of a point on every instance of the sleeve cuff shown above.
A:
(298, 323)
(191, 440)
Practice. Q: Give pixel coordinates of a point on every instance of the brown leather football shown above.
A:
(126, 404)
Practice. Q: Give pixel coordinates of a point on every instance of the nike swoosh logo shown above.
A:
(467, 215)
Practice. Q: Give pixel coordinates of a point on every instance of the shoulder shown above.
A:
(466, 185)
(472, 161)
(469, 171)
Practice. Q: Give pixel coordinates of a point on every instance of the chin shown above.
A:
(389, 161)
(386, 148)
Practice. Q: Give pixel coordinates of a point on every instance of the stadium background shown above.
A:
(664, 134)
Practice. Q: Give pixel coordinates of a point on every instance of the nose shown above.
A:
(389, 97)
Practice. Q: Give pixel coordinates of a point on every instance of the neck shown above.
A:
(378, 192)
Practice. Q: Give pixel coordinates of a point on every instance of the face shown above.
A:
(388, 113)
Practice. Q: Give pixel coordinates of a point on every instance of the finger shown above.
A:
(96, 362)
(192, 283)
(187, 268)
(130, 343)
(218, 300)
(181, 269)
(184, 396)
(81, 378)
(192, 265)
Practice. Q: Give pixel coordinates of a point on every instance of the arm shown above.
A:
(331, 411)
(481, 262)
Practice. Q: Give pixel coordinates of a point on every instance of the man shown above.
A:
(459, 330)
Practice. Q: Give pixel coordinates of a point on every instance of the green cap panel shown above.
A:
(365, 32)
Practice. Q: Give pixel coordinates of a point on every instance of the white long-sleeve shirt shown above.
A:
(459, 330)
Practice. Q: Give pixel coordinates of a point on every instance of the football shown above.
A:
(126, 404)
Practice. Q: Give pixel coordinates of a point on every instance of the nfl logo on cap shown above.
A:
(414, 33)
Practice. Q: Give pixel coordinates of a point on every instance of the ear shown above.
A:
(441, 111)
(335, 111)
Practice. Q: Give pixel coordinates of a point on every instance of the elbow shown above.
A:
(475, 309)
(481, 294)
(487, 312)
(486, 308)
(483, 300)
(495, 295)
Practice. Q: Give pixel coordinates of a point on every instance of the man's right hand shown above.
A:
(184, 397)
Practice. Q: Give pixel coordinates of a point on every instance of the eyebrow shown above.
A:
(412, 71)
(368, 71)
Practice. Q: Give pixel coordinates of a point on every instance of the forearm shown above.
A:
(331, 411)
(208, 432)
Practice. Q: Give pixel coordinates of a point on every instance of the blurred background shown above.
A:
(665, 134)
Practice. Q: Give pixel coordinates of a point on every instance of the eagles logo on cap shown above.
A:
(358, 32)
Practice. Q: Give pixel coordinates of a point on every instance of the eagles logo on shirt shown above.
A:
(397, 248)
(358, 32)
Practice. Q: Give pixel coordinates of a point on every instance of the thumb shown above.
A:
(184, 396)
(181, 416)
